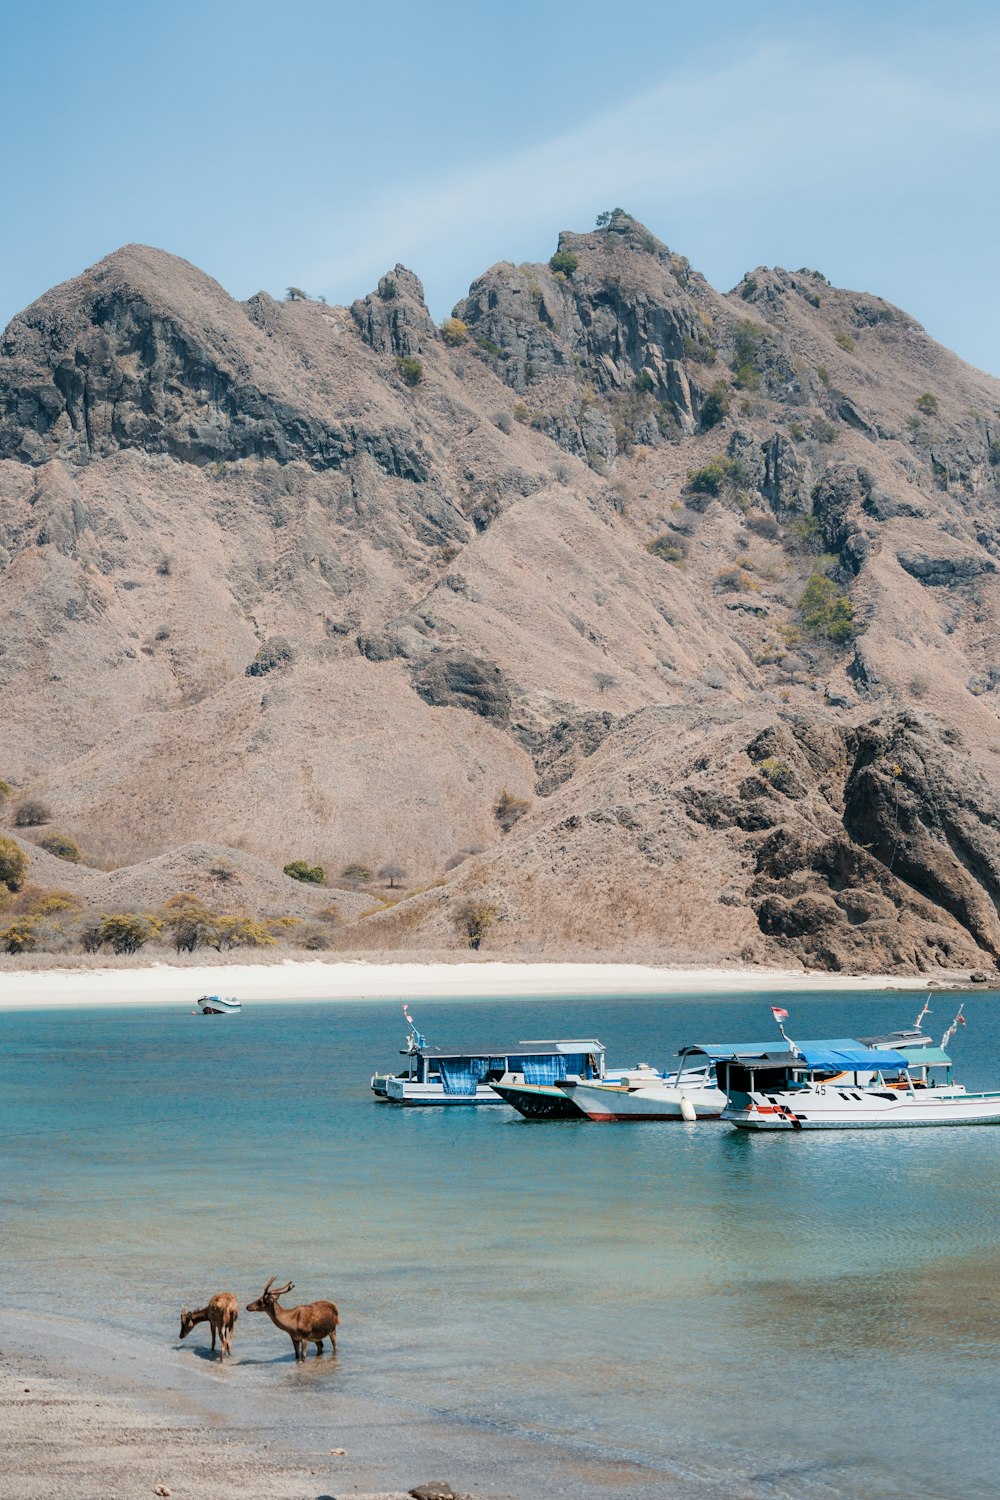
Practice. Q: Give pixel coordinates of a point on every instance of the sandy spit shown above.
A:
(294, 980)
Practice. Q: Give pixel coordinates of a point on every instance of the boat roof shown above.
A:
(911, 1037)
(518, 1049)
(839, 1054)
(927, 1057)
(729, 1049)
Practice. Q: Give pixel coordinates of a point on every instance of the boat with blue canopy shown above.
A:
(441, 1075)
(844, 1084)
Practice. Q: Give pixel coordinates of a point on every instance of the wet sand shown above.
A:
(97, 1416)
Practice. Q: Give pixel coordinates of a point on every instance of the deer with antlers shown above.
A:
(220, 1314)
(310, 1323)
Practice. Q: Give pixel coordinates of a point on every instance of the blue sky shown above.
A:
(318, 143)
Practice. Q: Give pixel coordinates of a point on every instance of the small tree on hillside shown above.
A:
(124, 932)
(300, 869)
(393, 874)
(31, 813)
(358, 874)
(13, 864)
(474, 919)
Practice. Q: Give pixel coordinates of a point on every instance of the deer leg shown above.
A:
(212, 1326)
(319, 1346)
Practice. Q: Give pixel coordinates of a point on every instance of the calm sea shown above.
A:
(792, 1315)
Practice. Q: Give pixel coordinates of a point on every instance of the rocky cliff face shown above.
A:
(650, 618)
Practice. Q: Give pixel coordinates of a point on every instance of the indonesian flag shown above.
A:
(778, 1013)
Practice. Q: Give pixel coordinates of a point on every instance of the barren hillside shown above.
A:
(625, 616)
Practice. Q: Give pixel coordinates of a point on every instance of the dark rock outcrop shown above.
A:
(459, 680)
(394, 318)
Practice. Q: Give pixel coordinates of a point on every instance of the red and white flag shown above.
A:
(778, 1013)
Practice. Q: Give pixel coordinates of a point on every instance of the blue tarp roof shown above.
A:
(840, 1055)
(849, 1056)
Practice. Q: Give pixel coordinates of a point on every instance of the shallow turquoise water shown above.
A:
(805, 1315)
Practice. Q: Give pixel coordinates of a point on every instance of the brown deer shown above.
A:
(220, 1314)
(309, 1324)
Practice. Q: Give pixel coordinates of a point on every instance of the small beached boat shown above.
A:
(219, 1005)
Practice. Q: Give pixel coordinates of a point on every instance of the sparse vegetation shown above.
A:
(825, 611)
(669, 548)
(124, 932)
(454, 331)
(393, 874)
(823, 375)
(4, 792)
(844, 341)
(295, 294)
(62, 848)
(189, 923)
(410, 369)
(604, 681)
(474, 919)
(775, 770)
(735, 580)
(521, 413)
(716, 404)
(501, 419)
(717, 473)
(748, 341)
(301, 869)
(19, 937)
(14, 864)
(31, 813)
(822, 430)
(387, 289)
(564, 261)
(509, 808)
(358, 874)
(927, 404)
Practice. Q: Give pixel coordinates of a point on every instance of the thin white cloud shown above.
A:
(780, 120)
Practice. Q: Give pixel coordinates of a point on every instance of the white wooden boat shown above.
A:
(643, 1094)
(219, 1005)
(451, 1077)
(844, 1085)
(557, 1101)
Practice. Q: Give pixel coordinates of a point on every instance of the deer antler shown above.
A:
(280, 1291)
(268, 1287)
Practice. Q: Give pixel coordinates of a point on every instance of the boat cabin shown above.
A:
(743, 1071)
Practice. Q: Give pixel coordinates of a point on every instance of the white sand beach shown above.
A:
(168, 984)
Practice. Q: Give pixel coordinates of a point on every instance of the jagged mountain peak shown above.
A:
(631, 560)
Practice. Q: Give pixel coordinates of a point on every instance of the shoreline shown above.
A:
(133, 1414)
(361, 980)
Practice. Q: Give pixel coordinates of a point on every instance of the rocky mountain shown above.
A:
(625, 616)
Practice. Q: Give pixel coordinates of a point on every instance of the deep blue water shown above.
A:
(822, 1306)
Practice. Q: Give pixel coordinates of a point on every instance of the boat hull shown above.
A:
(873, 1110)
(539, 1101)
(607, 1102)
(217, 1005)
(405, 1091)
